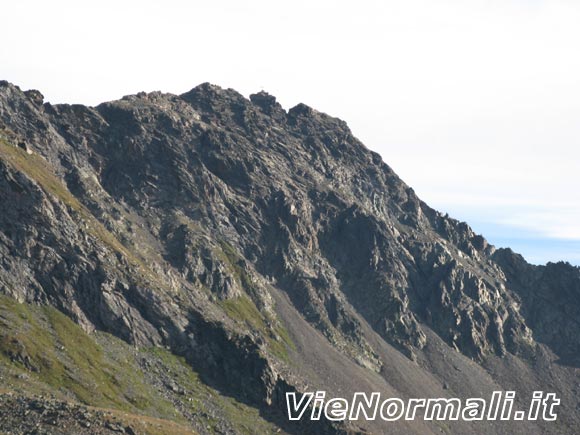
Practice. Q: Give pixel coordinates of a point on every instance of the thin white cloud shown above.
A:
(557, 224)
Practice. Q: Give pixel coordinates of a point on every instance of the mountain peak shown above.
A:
(271, 251)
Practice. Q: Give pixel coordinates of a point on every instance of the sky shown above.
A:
(475, 104)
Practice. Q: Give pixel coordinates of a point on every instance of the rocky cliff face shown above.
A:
(270, 249)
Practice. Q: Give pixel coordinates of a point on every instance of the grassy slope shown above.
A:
(44, 352)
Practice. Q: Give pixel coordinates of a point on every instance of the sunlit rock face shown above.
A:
(226, 230)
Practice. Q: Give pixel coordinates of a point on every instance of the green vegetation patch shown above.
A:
(42, 351)
(244, 310)
(52, 350)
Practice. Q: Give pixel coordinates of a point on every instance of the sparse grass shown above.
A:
(54, 351)
(147, 425)
(37, 168)
(279, 347)
(245, 419)
(232, 259)
(102, 371)
(244, 310)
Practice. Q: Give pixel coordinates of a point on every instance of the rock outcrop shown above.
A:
(225, 229)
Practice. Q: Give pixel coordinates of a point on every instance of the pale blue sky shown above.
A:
(476, 104)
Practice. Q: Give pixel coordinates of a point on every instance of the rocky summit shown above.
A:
(178, 263)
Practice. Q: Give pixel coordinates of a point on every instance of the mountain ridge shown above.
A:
(227, 229)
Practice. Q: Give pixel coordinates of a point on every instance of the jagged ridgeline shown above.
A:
(188, 259)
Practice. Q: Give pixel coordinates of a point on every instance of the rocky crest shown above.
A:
(227, 230)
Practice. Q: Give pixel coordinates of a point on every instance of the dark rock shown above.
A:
(35, 96)
(249, 241)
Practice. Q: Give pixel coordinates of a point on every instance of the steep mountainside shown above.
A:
(251, 252)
